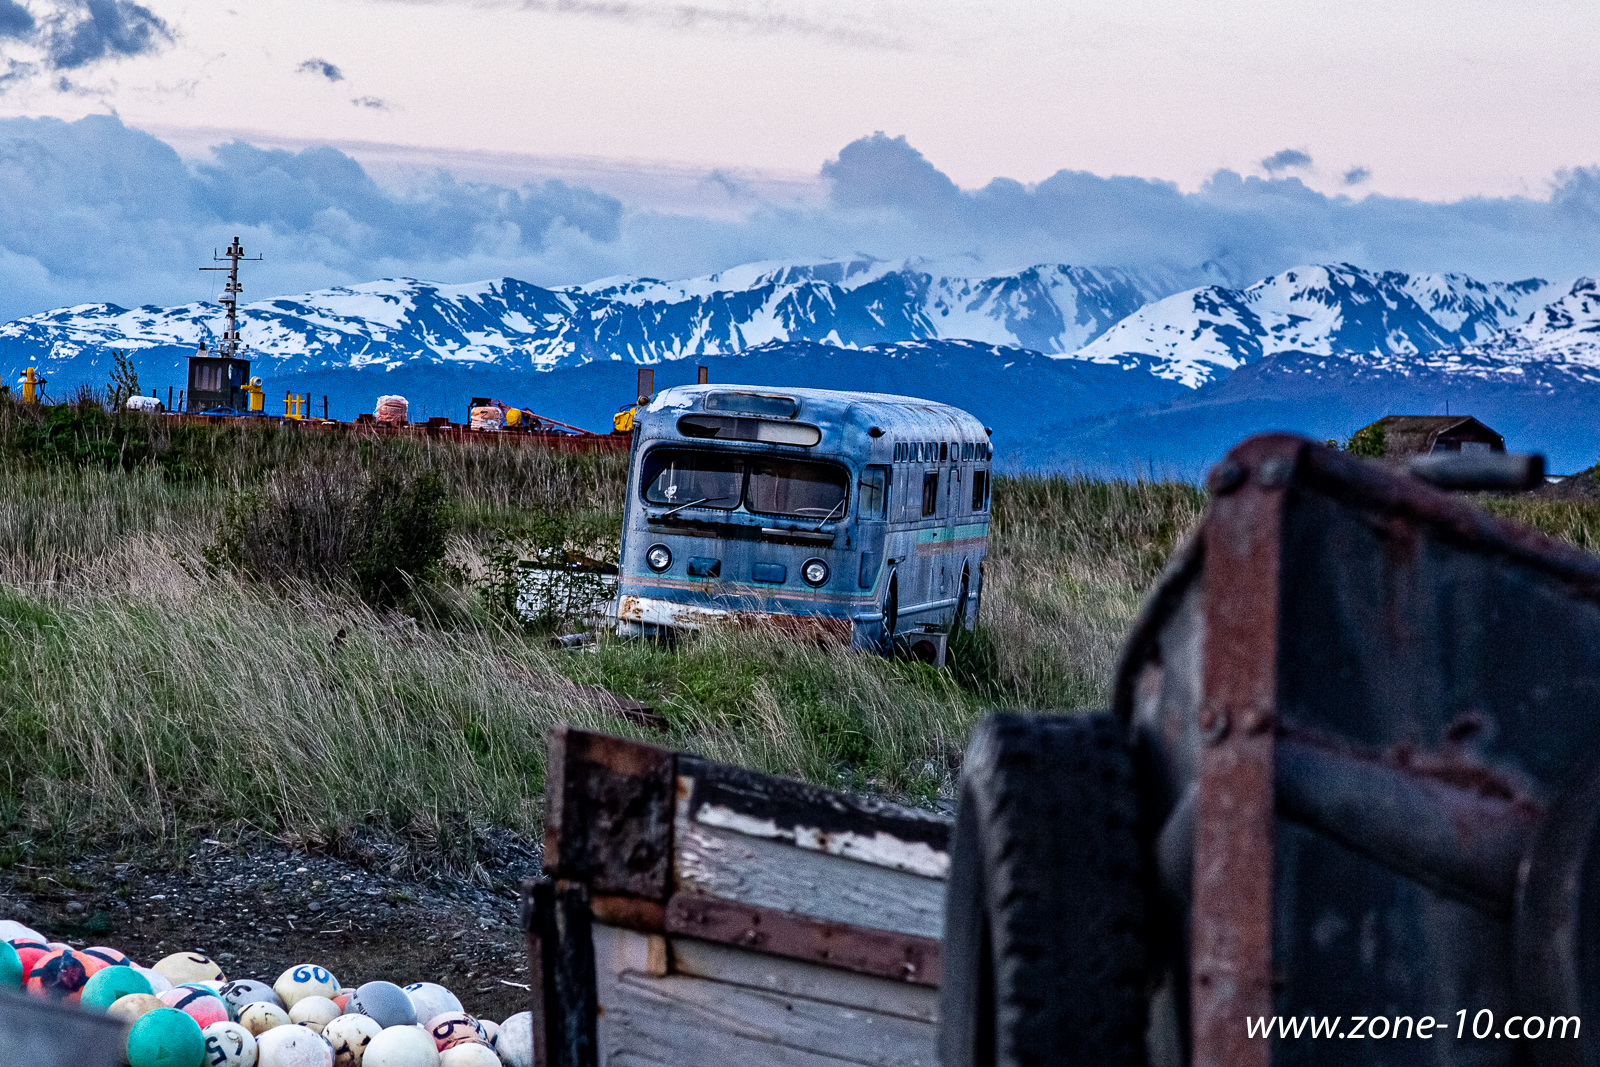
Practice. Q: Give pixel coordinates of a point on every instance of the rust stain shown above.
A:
(1233, 861)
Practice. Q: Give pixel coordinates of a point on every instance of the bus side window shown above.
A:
(980, 489)
(874, 492)
(930, 492)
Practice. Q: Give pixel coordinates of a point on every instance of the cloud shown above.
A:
(1356, 175)
(93, 210)
(322, 67)
(77, 34)
(1284, 160)
(373, 102)
(729, 16)
(91, 30)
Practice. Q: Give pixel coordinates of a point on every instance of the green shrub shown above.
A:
(379, 531)
(1368, 441)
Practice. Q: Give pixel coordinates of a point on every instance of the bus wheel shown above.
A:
(891, 615)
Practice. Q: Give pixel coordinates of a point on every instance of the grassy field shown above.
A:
(162, 674)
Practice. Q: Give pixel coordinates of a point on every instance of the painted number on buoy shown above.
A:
(307, 974)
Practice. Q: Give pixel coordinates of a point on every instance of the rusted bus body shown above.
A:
(857, 517)
(1367, 711)
(696, 913)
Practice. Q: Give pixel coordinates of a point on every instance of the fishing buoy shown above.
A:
(305, 980)
(472, 1054)
(181, 967)
(96, 957)
(430, 999)
(159, 983)
(197, 1002)
(293, 1046)
(314, 1012)
(515, 1041)
(59, 975)
(11, 930)
(402, 1046)
(262, 1016)
(491, 1028)
(165, 1037)
(349, 1035)
(127, 1009)
(110, 984)
(229, 1045)
(30, 951)
(385, 1002)
(12, 973)
(455, 1028)
(241, 991)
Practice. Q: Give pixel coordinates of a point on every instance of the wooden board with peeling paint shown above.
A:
(795, 926)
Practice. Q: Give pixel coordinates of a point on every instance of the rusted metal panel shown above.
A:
(903, 957)
(1428, 677)
(1231, 914)
(609, 807)
(39, 1033)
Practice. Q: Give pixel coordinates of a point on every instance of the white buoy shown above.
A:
(514, 1044)
(293, 1046)
(262, 1016)
(455, 1028)
(159, 983)
(314, 1012)
(471, 1054)
(229, 1045)
(305, 980)
(432, 999)
(402, 1046)
(11, 930)
(491, 1028)
(349, 1035)
(181, 967)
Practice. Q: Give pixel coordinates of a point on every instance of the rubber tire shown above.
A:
(1046, 911)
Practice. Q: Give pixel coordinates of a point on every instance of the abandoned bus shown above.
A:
(853, 516)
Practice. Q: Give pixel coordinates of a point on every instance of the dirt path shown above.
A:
(260, 908)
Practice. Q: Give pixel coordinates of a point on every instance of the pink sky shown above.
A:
(1438, 100)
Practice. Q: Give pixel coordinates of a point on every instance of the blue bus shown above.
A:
(856, 517)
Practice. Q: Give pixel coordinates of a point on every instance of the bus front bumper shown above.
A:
(638, 616)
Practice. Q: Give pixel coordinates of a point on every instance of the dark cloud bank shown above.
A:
(94, 210)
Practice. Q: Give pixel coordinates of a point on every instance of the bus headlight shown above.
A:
(659, 557)
(815, 572)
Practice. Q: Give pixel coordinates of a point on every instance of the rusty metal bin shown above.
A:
(1366, 715)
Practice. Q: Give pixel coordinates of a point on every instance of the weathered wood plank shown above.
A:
(862, 949)
(722, 963)
(609, 810)
(772, 874)
(789, 804)
(680, 1020)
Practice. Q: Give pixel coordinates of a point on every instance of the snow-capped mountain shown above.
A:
(1384, 319)
(511, 324)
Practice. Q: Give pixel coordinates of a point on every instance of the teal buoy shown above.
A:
(109, 983)
(165, 1037)
(11, 975)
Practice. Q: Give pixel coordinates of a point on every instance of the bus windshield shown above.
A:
(678, 477)
(699, 479)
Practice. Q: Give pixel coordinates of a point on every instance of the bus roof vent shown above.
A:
(778, 407)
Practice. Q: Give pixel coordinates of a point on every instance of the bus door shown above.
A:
(872, 524)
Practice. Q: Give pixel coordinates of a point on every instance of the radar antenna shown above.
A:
(229, 348)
